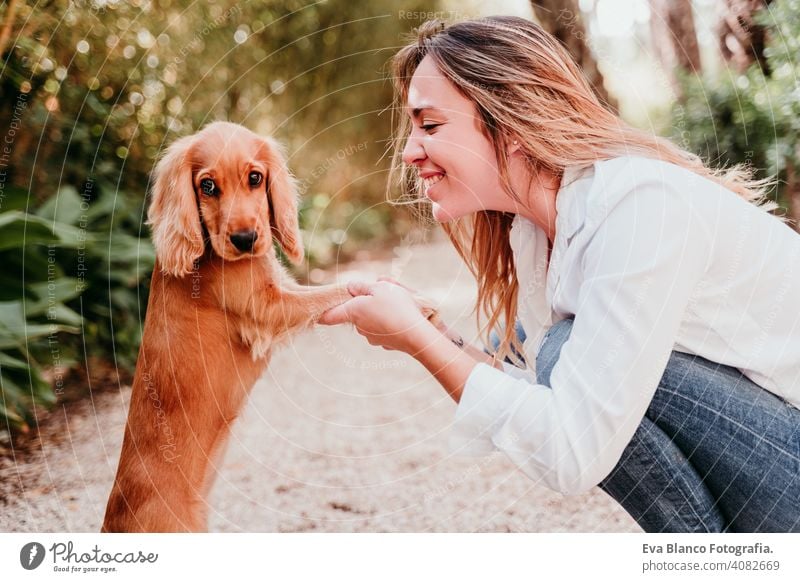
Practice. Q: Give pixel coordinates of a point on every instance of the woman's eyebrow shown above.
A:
(417, 111)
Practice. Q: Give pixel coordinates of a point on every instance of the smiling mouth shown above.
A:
(432, 180)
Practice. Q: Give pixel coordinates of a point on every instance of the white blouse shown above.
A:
(648, 258)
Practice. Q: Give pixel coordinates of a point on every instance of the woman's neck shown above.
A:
(539, 201)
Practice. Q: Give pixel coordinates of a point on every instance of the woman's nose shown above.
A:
(413, 152)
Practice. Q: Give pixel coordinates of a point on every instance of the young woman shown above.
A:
(658, 297)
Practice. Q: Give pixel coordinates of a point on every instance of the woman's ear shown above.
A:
(282, 192)
(173, 213)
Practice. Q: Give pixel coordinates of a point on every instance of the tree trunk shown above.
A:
(674, 38)
(741, 41)
(562, 19)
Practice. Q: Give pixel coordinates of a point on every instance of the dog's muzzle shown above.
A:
(244, 240)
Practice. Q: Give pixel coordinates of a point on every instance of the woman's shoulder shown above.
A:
(660, 181)
(611, 181)
(637, 170)
(627, 190)
(606, 182)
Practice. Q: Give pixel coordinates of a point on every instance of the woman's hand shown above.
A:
(386, 314)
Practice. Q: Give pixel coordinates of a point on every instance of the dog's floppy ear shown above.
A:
(282, 192)
(173, 214)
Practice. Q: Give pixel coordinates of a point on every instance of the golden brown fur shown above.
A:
(215, 313)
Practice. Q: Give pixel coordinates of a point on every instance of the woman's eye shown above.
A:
(208, 187)
(430, 126)
(255, 179)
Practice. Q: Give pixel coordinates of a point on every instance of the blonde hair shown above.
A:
(526, 87)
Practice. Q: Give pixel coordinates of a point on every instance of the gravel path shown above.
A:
(338, 436)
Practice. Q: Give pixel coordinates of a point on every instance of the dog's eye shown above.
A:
(208, 187)
(255, 179)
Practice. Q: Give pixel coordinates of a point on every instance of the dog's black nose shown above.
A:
(244, 240)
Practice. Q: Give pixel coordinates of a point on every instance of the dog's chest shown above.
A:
(258, 340)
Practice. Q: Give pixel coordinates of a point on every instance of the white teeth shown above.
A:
(432, 180)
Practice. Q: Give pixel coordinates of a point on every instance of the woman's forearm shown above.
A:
(450, 364)
(476, 353)
(482, 356)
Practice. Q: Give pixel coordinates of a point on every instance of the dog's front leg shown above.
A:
(302, 306)
(271, 316)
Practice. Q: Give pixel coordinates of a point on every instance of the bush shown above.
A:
(33, 312)
(92, 93)
(751, 117)
(67, 285)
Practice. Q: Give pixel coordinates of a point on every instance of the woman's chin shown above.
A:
(440, 214)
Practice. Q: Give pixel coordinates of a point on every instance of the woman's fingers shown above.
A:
(358, 288)
(382, 312)
(334, 316)
(344, 313)
(398, 283)
(426, 306)
(348, 311)
(340, 314)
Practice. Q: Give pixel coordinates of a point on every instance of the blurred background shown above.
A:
(91, 92)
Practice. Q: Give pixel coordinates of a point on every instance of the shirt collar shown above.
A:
(570, 211)
(538, 280)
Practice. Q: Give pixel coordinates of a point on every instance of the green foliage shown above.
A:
(68, 289)
(92, 91)
(107, 85)
(753, 117)
(33, 310)
(731, 120)
(112, 266)
(783, 20)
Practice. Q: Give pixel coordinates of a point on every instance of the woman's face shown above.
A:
(455, 159)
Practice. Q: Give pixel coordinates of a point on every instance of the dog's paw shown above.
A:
(428, 309)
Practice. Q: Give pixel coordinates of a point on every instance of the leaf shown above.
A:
(10, 414)
(64, 207)
(16, 331)
(15, 198)
(50, 294)
(19, 229)
(103, 206)
(12, 397)
(11, 362)
(12, 315)
(66, 318)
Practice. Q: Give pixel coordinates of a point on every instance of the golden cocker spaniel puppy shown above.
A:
(220, 301)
